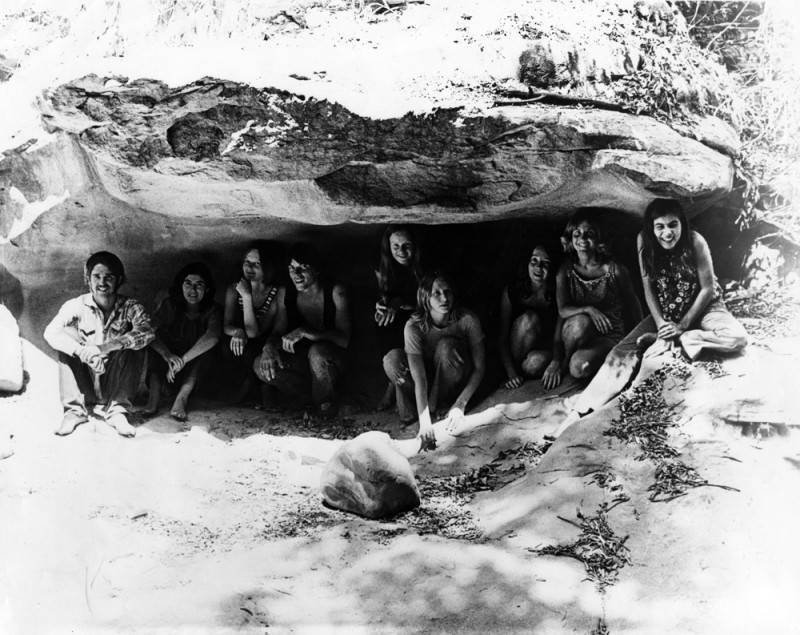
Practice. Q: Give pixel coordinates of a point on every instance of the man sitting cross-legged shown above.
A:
(99, 337)
(306, 350)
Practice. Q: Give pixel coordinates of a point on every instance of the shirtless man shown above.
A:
(312, 332)
(99, 337)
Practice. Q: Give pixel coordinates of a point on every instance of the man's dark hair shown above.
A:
(109, 260)
(305, 254)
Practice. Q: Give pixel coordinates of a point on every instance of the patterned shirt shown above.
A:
(677, 285)
(79, 322)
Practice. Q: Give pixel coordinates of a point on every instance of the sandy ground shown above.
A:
(201, 527)
(218, 526)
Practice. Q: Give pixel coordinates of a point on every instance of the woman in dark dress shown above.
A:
(530, 328)
(188, 324)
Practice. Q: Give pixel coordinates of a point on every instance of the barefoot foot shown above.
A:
(178, 410)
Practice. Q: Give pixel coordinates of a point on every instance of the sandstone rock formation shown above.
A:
(315, 125)
(368, 476)
(11, 359)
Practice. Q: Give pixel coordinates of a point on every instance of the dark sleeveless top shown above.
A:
(676, 285)
(602, 293)
(293, 314)
(403, 284)
(178, 330)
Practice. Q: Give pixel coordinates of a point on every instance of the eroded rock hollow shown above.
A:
(161, 174)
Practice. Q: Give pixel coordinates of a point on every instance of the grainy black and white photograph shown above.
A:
(399, 316)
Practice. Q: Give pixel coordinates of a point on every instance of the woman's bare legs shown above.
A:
(526, 331)
(178, 410)
(452, 365)
(154, 394)
(584, 347)
(535, 362)
(395, 365)
(525, 343)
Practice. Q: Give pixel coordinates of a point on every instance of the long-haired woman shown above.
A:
(680, 288)
(530, 329)
(595, 295)
(399, 272)
(443, 360)
(251, 306)
(188, 325)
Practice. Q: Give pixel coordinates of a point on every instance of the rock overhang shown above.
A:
(287, 156)
(159, 173)
(315, 127)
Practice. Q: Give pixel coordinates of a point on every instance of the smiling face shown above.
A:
(103, 284)
(402, 248)
(251, 266)
(194, 289)
(584, 238)
(442, 299)
(668, 230)
(303, 276)
(539, 266)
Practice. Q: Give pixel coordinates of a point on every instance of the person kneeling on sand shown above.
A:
(100, 337)
(308, 344)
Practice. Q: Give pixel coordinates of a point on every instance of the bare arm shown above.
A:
(207, 340)
(251, 326)
(478, 350)
(229, 326)
(416, 365)
(270, 360)
(504, 339)
(281, 323)
(705, 276)
(162, 349)
(563, 299)
(279, 327)
(557, 367)
(649, 292)
(340, 334)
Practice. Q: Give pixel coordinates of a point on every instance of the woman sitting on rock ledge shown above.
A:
(188, 325)
(680, 288)
(686, 310)
(595, 296)
(530, 328)
(444, 357)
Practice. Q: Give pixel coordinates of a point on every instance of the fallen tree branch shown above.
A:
(520, 98)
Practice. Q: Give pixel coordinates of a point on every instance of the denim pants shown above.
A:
(313, 367)
(81, 388)
(448, 371)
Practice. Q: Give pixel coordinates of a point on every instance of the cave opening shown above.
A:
(481, 258)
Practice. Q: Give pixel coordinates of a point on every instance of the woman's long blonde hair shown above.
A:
(422, 314)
